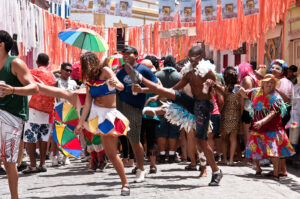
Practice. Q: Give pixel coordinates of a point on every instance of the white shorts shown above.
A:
(11, 128)
(37, 132)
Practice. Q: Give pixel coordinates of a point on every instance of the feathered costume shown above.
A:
(178, 115)
(270, 140)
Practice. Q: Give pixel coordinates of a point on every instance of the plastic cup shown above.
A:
(1, 91)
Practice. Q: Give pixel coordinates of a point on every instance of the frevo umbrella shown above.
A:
(67, 141)
(84, 39)
(116, 60)
(66, 114)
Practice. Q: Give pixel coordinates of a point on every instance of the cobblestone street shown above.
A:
(74, 182)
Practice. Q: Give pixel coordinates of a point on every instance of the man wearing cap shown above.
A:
(132, 105)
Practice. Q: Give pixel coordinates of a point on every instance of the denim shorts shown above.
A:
(185, 101)
(202, 110)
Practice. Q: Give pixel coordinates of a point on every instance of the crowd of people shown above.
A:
(160, 110)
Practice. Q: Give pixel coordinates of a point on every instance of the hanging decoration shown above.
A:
(80, 5)
(166, 10)
(209, 10)
(188, 11)
(57, 1)
(123, 8)
(102, 6)
(251, 7)
(229, 9)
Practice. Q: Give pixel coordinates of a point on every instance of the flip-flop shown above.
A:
(258, 174)
(190, 168)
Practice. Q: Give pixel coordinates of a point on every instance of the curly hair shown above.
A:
(230, 78)
(91, 66)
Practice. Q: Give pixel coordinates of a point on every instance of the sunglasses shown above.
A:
(68, 70)
(193, 58)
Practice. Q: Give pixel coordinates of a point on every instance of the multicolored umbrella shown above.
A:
(66, 114)
(116, 60)
(67, 141)
(84, 39)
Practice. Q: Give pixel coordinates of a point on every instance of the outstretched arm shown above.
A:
(58, 93)
(157, 89)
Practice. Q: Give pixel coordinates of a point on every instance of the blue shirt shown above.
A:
(139, 100)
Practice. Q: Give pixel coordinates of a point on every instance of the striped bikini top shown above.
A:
(100, 88)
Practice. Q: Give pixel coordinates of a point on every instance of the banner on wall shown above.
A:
(251, 7)
(80, 5)
(166, 10)
(208, 10)
(123, 8)
(229, 9)
(188, 11)
(101, 6)
(57, 1)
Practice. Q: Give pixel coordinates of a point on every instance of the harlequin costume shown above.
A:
(105, 121)
(270, 140)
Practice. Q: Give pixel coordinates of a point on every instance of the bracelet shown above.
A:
(13, 91)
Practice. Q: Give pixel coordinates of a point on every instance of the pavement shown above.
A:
(171, 181)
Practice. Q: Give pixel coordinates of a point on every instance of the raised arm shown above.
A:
(113, 80)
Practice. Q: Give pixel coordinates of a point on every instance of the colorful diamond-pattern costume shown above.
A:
(107, 121)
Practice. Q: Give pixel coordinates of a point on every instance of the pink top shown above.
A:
(216, 110)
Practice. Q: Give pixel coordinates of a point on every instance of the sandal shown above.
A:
(30, 169)
(153, 169)
(276, 178)
(191, 167)
(125, 191)
(283, 175)
(258, 174)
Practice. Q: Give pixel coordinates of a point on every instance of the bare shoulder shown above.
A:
(18, 65)
(107, 71)
(247, 82)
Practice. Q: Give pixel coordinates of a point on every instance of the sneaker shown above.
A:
(216, 178)
(66, 161)
(30, 169)
(153, 169)
(22, 166)
(42, 168)
(2, 171)
(133, 171)
(54, 161)
(140, 175)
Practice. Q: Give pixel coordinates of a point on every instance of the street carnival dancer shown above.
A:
(16, 84)
(100, 105)
(200, 75)
(267, 138)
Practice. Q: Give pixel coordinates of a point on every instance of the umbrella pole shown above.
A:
(82, 42)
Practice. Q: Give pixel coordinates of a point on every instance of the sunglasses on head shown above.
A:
(193, 58)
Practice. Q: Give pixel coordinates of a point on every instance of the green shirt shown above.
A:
(14, 104)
